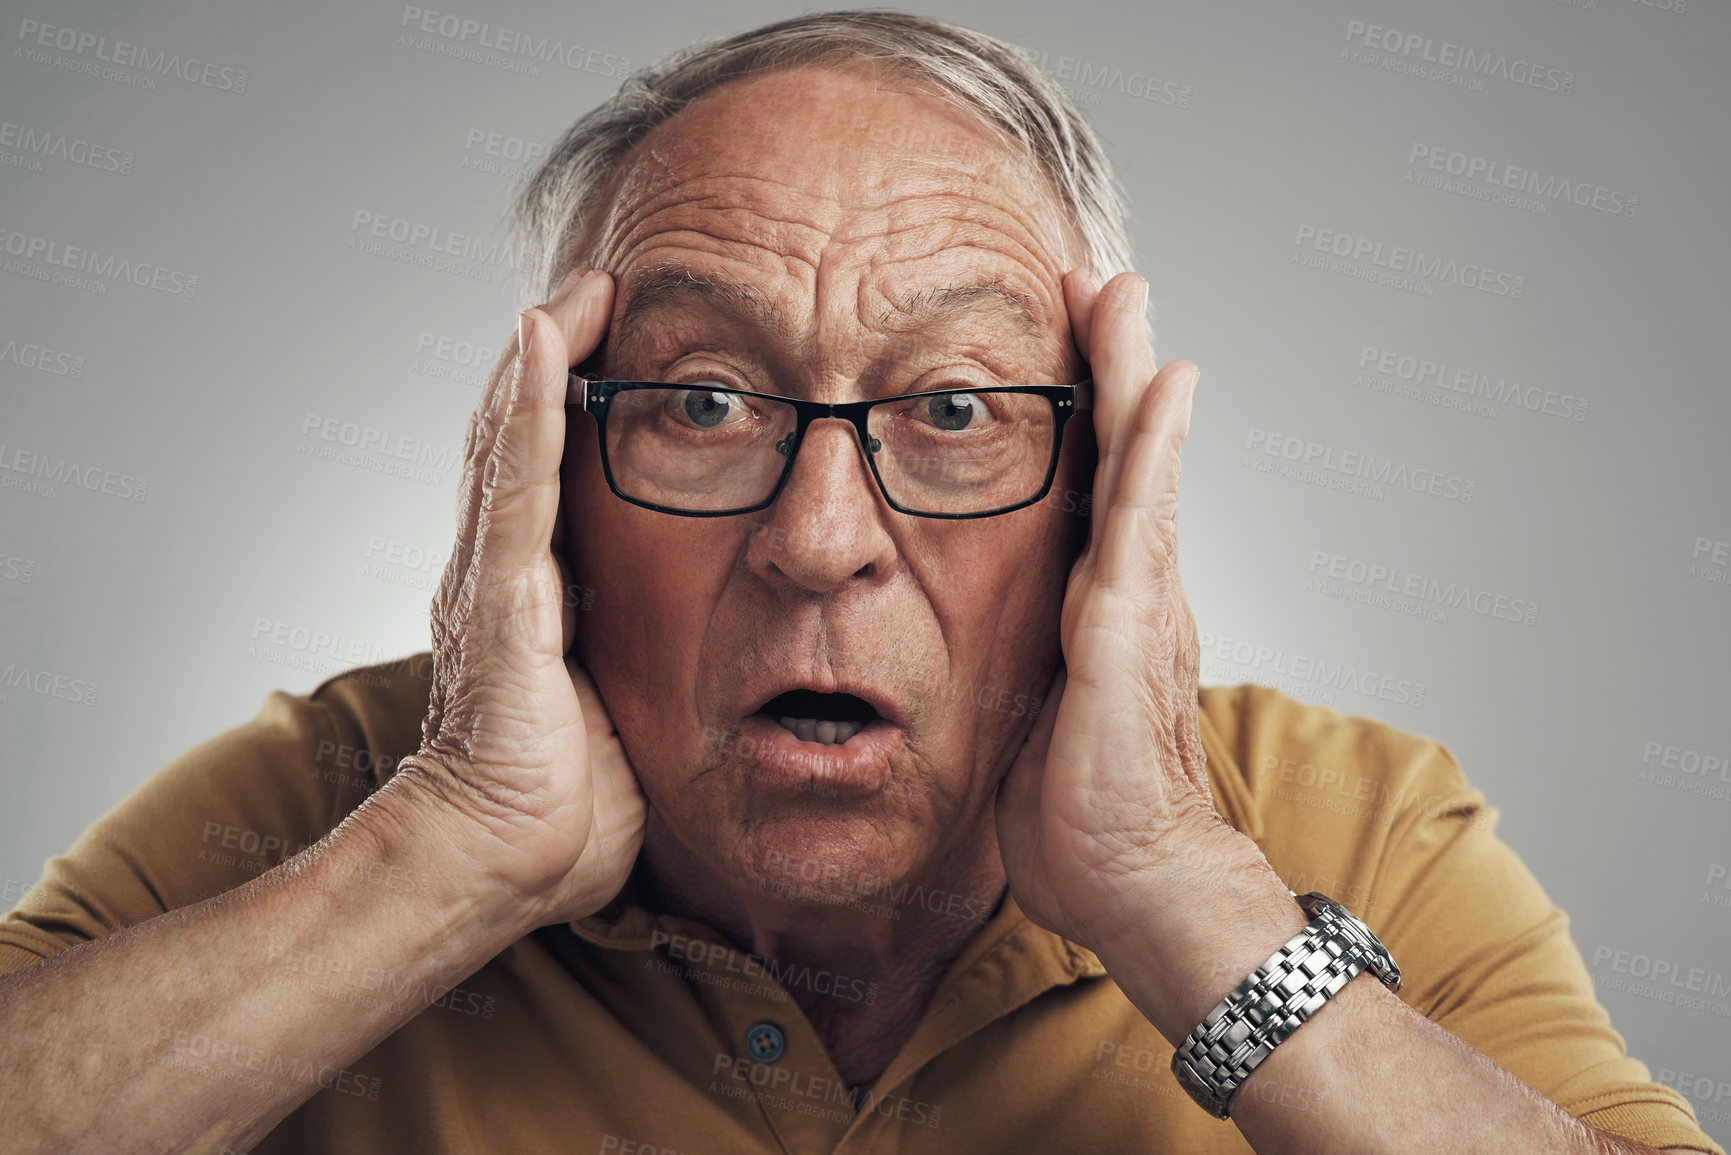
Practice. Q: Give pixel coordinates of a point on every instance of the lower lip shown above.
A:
(787, 763)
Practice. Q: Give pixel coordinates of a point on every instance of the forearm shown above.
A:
(1365, 1074)
(96, 1044)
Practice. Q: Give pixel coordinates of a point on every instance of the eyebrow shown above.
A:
(936, 306)
(674, 284)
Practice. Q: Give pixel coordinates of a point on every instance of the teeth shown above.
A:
(825, 732)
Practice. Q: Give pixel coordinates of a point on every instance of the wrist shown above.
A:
(1196, 933)
(412, 824)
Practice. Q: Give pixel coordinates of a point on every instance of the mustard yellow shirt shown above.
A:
(626, 1032)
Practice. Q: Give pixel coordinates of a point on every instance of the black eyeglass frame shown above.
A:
(595, 396)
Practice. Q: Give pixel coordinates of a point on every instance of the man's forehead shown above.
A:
(839, 134)
(808, 162)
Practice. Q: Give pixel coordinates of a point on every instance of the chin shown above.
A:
(836, 859)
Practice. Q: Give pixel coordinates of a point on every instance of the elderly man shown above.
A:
(871, 804)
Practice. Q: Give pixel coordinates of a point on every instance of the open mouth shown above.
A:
(828, 719)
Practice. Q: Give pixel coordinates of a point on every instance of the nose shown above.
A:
(827, 526)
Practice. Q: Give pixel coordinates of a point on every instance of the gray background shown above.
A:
(187, 602)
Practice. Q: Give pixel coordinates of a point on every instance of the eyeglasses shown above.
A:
(700, 450)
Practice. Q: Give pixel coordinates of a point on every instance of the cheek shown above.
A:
(1009, 590)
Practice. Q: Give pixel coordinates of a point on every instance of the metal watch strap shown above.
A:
(1259, 1014)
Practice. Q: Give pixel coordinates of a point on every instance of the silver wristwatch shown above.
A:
(1278, 996)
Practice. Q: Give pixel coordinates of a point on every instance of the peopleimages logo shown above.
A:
(1351, 464)
(499, 154)
(28, 355)
(47, 683)
(1668, 980)
(34, 147)
(1447, 59)
(1486, 179)
(1082, 80)
(518, 51)
(430, 246)
(1703, 773)
(379, 450)
(1281, 668)
(1710, 561)
(1472, 386)
(1379, 578)
(453, 359)
(86, 45)
(1397, 265)
(81, 260)
(47, 473)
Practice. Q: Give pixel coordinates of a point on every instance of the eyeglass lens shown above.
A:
(699, 449)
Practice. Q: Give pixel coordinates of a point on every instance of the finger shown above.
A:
(478, 443)
(1081, 287)
(567, 306)
(567, 309)
(520, 489)
(1122, 366)
(1139, 527)
(570, 320)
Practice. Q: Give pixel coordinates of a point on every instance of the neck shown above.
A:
(861, 965)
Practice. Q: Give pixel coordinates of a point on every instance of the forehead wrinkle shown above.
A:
(674, 283)
(968, 226)
(800, 221)
(1002, 214)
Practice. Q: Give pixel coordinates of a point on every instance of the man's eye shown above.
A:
(707, 408)
(952, 412)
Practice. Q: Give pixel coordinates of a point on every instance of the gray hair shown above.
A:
(996, 80)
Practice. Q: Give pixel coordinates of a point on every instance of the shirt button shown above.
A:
(766, 1042)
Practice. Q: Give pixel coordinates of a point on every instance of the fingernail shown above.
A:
(525, 330)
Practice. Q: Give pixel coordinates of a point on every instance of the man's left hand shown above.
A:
(1106, 821)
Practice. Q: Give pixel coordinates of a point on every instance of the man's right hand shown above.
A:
(520, 810)
(516, 739)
